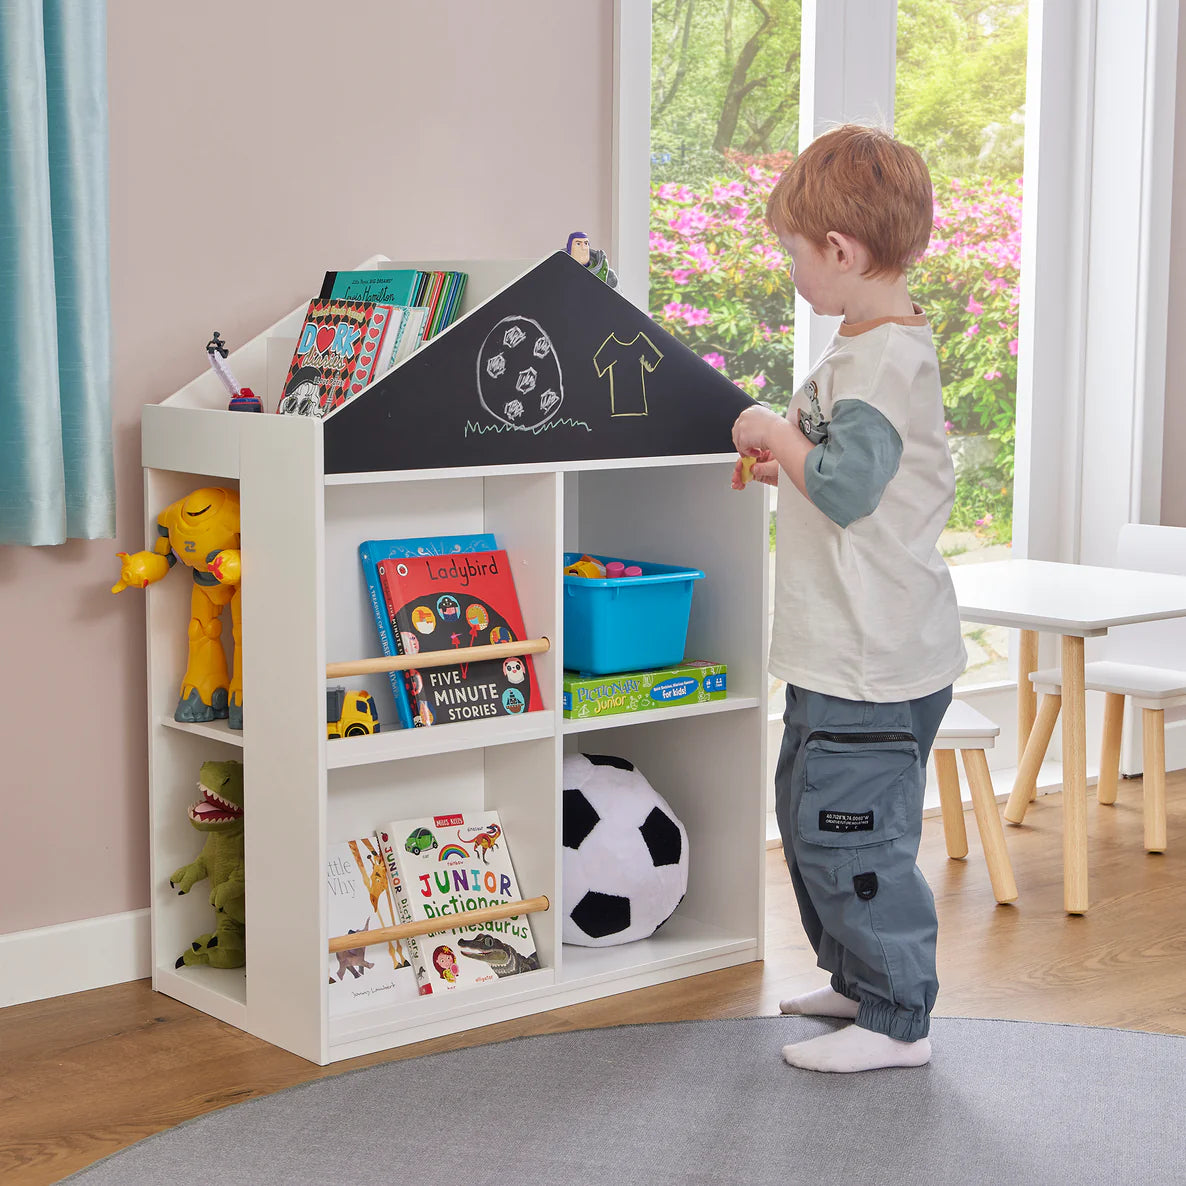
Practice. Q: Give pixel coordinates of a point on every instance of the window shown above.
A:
(960, 99)
(724, 124)
(1095, 107)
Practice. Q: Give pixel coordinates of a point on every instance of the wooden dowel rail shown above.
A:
(431, 926)
(494, 650)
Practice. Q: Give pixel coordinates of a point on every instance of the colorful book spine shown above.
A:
(403, 912)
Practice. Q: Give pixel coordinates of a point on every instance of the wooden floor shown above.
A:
(84, 1075)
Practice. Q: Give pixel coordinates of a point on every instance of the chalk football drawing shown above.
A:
(525, 389)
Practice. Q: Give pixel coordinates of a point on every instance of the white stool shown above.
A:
(971, 733)
(1153, 690)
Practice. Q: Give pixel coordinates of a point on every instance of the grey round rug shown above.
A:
(708, 1102)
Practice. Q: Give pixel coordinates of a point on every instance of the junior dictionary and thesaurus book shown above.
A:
(446, 864)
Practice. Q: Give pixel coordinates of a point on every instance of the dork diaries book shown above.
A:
(441, 603)
(342, 346)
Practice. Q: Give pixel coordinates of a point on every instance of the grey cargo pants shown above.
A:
(848, 797)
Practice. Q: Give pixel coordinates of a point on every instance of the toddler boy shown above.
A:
(866, 631)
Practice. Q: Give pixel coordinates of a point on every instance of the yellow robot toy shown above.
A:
(202, 531)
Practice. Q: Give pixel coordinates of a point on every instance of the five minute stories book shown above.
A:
(447, 864)
(439, 603)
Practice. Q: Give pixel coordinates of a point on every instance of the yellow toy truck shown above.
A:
(349, 714)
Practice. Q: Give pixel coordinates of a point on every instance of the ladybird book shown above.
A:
(360, 900)
(441, 603)
(446, 864)
(372, 552)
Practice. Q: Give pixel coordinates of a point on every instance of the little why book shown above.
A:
(447, 864)
(440, 603)
(360, 900)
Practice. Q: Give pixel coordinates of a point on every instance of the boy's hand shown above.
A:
(756, 431)
(764, 469)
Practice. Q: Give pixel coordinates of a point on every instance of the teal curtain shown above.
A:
(56, 465)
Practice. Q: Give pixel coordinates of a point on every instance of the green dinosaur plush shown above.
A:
(219, 813)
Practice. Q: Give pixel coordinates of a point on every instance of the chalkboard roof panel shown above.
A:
(555, 368)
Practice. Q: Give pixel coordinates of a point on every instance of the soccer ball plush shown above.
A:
(625, 853)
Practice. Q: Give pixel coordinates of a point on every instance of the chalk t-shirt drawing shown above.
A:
(627, 365)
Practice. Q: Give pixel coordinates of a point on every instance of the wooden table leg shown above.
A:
(1027, 698)
(1074, 777)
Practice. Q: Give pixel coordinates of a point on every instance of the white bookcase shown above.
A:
(305, 604)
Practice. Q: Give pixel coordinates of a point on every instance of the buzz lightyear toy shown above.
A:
(591, 258)
(202, 531)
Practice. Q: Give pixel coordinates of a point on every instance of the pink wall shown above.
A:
(252, 147)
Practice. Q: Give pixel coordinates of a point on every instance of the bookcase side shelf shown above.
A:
(304, 606)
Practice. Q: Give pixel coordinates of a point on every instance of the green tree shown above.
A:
(724, 76)
(961, 84)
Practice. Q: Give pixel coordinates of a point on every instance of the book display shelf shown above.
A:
(305, 605)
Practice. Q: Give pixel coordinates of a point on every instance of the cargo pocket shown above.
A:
(857, 788)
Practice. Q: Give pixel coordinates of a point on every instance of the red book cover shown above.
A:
(342, 346)
(439, 603)
(436, 286)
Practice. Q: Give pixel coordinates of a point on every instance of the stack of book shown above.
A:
(418, 869)
(361, 325)
(444, 593)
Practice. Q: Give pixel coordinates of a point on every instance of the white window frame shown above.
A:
(1101, 99)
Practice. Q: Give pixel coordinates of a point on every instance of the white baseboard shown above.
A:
(74, 956)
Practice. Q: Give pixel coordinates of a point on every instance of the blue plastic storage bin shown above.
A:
(616, 624)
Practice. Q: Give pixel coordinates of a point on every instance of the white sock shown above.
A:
(856, 1049)
(824, 1002)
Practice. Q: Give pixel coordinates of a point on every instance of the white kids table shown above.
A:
(1074, 601)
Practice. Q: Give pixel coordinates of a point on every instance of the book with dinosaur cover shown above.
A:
(447, 864)
(438, 603)
(360, 899)
(371, 552)
(341, 347)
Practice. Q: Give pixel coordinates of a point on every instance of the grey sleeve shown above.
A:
(847, 474)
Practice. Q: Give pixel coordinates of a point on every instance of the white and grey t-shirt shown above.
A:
(864, 606)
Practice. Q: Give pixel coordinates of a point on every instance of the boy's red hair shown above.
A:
(863, 183)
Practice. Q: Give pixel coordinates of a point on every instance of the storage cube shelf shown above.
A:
(305, 604)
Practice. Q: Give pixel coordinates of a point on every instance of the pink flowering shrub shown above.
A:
(967, 283)
(721, 282)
